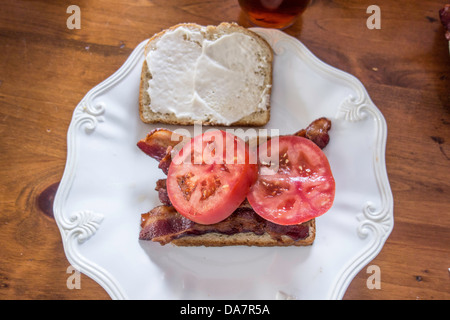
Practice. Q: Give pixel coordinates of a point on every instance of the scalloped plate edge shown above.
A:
(81, 225)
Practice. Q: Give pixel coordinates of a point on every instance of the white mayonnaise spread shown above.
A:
(218, 80)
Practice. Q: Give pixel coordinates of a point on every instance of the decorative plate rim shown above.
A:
(78, 227)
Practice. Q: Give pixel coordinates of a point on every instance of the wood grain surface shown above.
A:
(46, 69)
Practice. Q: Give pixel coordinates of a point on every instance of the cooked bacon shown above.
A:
(317, 132)
(164, 224)
(159, 143)
(165, 162)
(164, 197)
(162, 192)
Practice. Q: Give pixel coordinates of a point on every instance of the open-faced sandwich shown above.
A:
(215, 195)
(221, 190)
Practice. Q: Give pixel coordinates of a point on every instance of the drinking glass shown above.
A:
(278, 14)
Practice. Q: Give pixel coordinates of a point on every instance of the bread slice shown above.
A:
(261, 112)
(243, 227)
(246, 239)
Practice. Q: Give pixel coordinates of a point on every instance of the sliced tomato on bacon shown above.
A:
(210, 177)
(297, 189)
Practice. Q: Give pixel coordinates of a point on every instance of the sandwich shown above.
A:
(221, 190)
(219, 75)
(206, 202)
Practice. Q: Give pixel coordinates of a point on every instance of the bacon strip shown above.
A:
(317, 132)
(159, 142)
(162, 192)
(164, 224)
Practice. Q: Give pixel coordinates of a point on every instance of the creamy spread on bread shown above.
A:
(208, 78)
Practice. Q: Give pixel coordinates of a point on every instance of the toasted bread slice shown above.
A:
(244, 227)
(259, 113)
(246, 239)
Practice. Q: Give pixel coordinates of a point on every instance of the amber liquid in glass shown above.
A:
(277, 14)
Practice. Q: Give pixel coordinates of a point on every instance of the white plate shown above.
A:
(108, 182)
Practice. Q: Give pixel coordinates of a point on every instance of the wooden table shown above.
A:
(46, 69)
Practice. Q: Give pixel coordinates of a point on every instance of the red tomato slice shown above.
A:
(210, 177)
(301, 188)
